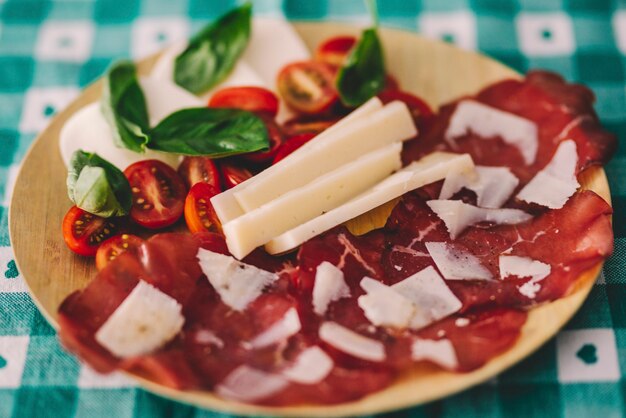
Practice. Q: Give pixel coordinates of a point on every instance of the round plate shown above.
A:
(435, 71)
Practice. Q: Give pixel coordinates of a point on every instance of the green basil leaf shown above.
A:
(124, 107)
(363, 75)
(212, 53)
(214, 132)
(97, 186)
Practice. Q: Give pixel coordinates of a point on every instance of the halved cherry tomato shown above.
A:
(253, 99)
(334, 51)
(292, 144)
(199, 212)
(113, 247)
(212, 242)
(233, 174)
(158, 193)
(418, 107)
(83, 232)
(199, 170)
(308, 86)
(307, 124)
(276, 138)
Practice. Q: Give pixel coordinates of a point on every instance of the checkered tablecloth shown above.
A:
(49, 50)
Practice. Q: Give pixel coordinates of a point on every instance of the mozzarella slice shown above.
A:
(247, 384)
(429, 292)
(237, 283)
(260, 225)
(383, 306)
(455, 264)
(440, 352)
(493, 185)
(290, 173)
(88, 130)
(284, 328)
(352, 343)
(310, 367)
(458, 215)
(329, 286)
(488, 122)
(144, 321)
(512, 265)
(274, 44)
(553, 186)
(428, 170)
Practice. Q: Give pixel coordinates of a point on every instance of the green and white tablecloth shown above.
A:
(49, 50)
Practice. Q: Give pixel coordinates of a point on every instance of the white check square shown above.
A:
(41, 103)
(545, 34)
(455, 27)
(587, 355)
(151, 34)
(11, 280)
(13, 351)
(65, 41)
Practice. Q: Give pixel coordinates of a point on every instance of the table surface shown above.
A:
(49, 50)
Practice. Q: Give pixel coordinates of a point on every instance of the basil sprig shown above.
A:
(363, 74)
(210, 131)
(97, 186)
(124, 107)
(214, 51)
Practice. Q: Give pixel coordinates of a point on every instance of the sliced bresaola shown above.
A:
(560, 110)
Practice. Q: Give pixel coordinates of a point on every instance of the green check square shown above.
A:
(163, 8)
(112, 41)
(71, 9)
(16, 73)
(480, 401)
(118, 403)
(4, 232)
(202, 9)
(566, 66)
(398, 8)
(8, 144)
(610, 100)
(40, 402)
(540, 368)
(441, 6)
(51, 73)
(18, 39)
(616, 294)
(616, 173)
(346, 9)
(591, 400)
(47, 364)
(595, 312)
(92, 70)
(491, 6)
(540, 5)
(148, 405)
(495, 33)
(7, 401)
(114, 11)
(590, 31)
(586, 5)
(25, 11)
(16, 311)
(620, 340)
(599, 67)
(530, 400)
(619, 226)
(511, 59)
(297, 9)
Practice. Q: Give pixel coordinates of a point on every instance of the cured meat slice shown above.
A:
(560, 110)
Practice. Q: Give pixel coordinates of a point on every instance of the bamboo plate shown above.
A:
(434, 70)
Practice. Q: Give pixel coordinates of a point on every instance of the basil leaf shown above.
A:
(124, 107)
(214, 132)
(97, 186)
(212, 53)
(363, 74)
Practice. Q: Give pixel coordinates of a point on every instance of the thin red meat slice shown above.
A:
(560, 110)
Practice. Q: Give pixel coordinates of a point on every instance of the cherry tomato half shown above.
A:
(199, 212)
(308, 86)
(233, 174)
(199, 170)
(113, 247)
(292, 144)
(83, 232)
(418, 107)
(276, 138)
(158, 193)
(334, 51)
(253, 99)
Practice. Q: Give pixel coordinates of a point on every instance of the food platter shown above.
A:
(437, 72)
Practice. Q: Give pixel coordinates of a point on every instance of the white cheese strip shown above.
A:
(512, 265)
(227, 207)
(385, 307)
(455, 264)
(247, 384)
(458, 215)
(237, 283)
(488, 122)
(297, 206)
(144, 321)
(553, 186)
(329, 286)
(440, 352)
(493, 185)
(310, 367)
(429, 292)
(281, 330)
(428, 170)
(352, 343)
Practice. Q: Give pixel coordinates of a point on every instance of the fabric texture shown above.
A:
(49, 50)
